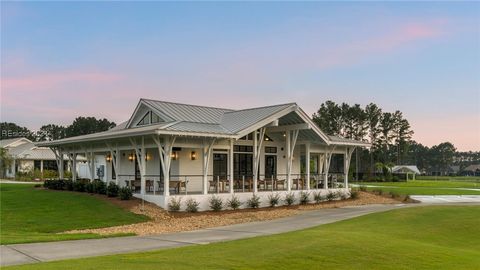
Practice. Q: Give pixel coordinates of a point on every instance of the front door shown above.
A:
(220, 166)
(270, 166)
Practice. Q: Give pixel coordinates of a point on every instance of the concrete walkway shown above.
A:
(441, 199)
(50, 251)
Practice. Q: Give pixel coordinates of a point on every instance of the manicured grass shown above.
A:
(36, 215)
(449, 178)
(435, 237)
(426, 187)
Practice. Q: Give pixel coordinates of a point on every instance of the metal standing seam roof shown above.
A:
(29, 151)
(6, 142)
(195, 119)
(411, 168)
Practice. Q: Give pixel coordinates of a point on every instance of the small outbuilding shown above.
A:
(406, 170)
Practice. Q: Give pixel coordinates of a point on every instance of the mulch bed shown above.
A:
(166, 222)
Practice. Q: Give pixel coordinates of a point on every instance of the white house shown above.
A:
(169, 149)
(28, 157)
(406, 170)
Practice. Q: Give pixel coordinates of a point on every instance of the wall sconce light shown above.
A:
(131, 157)
(148, 156)
(108, 158)
(174, 155)
(193, 155)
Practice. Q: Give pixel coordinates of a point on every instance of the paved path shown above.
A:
(440, 199)
(50, 251)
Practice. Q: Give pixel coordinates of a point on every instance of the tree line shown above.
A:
(80, 126)
(390, 135)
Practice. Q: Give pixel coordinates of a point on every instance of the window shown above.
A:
(243, 148)
(145, 120)
(149, 118)
(270, 150)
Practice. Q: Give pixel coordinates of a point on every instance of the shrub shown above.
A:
(175, 204)
(304, 197)
(234, 202)
(394, 194)
(331, 195)
(69, 185)
(289, 198)
(99, 187)
(378, 191)
(273, 199)
(216, 203)
(354, 195)
(318, 197)
(79, 186)
(192, 205)
(254, 201)
(125, 193)
(37, 185)
(89, 187)
(112, 190)
(363, 188)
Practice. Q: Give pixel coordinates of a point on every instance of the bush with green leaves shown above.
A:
(363, 188)
(89, 187)
(175, 204)
(125, 193)
(274, 199)
(79, 186)
(289, 198)
(216, 203)
(354, 194)
(254, 201)
(192, 205)
(69, 185)
(318, 197)
(331, 195)
(304, 197)
(112, 190)
(234, 202)
(99, 187)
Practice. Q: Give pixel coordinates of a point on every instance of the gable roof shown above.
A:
(203, 121)
(472, 168)
(405, 168)
(9, 142)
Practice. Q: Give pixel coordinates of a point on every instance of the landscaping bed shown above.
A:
(165, 222)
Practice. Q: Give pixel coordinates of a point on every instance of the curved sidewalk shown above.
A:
(51, 251)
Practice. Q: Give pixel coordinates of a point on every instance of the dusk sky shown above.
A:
(62, 60)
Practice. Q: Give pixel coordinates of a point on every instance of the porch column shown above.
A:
(347, 159)
(41, 167)
(74, 167)
(92, 165)
(207, 153)
(59, 158)
(307, 165)
(114, 160)
(140, 154)
(326, 168)
(291, 139)
(230, 166)
(257, 151)
(165, 154)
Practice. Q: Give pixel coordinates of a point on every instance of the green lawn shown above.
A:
(36, 215)
(435, 237)
(449, 178)
(427, 187)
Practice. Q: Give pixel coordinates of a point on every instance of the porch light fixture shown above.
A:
(131, 157)
(148, 156)
(193, 155)
(108, 158)
(174, 155)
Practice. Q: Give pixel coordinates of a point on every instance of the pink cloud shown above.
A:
(49, 80)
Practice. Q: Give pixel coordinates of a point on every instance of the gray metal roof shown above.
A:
(7, 142)
(188, 113)
(405, 168)
(193, 120)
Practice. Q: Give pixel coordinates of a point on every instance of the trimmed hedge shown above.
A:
(84, 185)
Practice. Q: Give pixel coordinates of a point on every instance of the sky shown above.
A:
(61, 60)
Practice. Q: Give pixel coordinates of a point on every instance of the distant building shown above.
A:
(28, 157)
(406, 170)
(472, 170)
